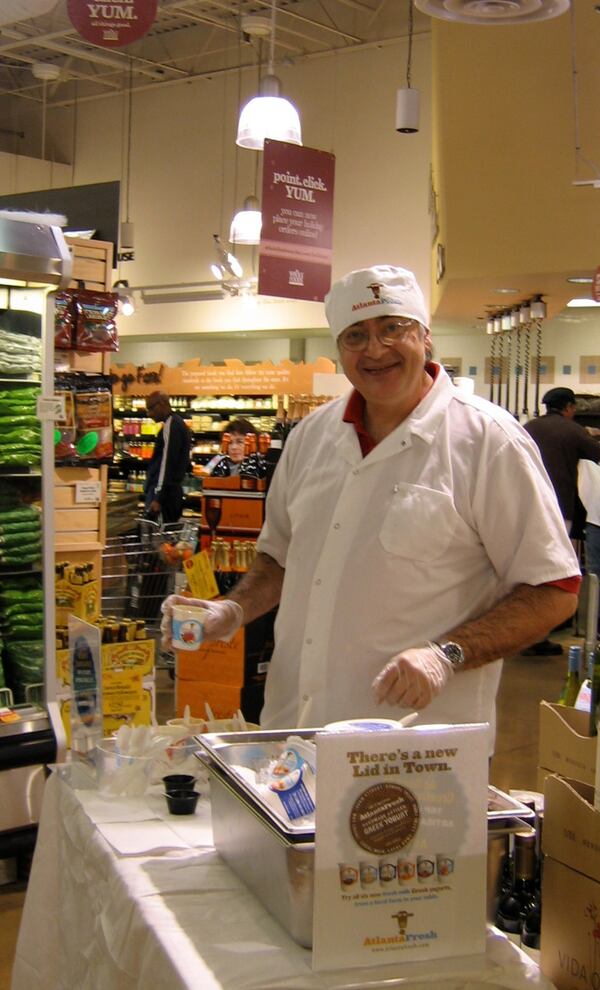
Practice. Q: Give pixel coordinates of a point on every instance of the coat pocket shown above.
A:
(420, 523)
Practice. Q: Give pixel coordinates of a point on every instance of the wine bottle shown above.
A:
(514, 906)
(570, 690)
(594, 676)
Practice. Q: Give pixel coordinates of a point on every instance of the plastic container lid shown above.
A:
(87, 443)
(363, 725)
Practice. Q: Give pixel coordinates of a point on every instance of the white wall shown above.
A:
(185, 164)
(563, 340)
(173, 352)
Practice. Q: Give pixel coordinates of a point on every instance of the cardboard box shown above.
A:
(570, 944)
(82, 600)
(241, 662)
(138, 654)
(565, 745)
(224, 699)
(241, 511)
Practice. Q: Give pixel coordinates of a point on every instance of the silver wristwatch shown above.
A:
(451, 651)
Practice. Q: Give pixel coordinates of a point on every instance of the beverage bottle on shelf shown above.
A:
(278, 438)
(570, 690)
(594, 678)
(249, 466)
(226, 577)
(515, 905)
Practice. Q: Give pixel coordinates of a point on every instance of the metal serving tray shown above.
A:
(275, 857)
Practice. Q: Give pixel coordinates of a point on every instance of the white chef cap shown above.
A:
(379, 291)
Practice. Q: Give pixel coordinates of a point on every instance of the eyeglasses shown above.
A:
(357, 338)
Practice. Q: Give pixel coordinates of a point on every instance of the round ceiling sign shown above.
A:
(112, 25)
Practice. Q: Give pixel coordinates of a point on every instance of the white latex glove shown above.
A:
(413, 678)
(222, 622)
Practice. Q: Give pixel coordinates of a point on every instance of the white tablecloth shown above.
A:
(148, 903)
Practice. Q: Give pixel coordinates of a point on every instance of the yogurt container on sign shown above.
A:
(188, 626)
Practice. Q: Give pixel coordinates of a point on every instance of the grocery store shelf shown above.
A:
(65, 546)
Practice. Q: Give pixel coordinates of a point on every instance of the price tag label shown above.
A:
(200, 577)
(51, 407)
(88, 492)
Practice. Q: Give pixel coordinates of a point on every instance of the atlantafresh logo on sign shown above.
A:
(112, 25)
(401, 936)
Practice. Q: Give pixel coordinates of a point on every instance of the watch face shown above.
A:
(454, 652)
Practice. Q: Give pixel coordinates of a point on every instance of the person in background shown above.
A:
(230, 463)
(411, 540)
(562, 443)
(163, 492)
(589, 493)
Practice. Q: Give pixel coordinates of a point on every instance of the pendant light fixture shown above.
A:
(268, 115)
(246, 224)
(407, 99)
(126, 232)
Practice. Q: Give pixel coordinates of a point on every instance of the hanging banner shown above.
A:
(297, 222)
(112, 25)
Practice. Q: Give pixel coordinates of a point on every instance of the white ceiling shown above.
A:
(189, 39)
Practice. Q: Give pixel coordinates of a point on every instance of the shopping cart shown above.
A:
(140, 569)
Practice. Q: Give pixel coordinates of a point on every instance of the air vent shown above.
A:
(493, 11)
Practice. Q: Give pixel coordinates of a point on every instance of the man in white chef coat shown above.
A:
(412, 536)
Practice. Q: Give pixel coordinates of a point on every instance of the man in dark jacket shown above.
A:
(563, 443)
(170, 461)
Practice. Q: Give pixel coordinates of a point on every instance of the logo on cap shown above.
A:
(376, 288)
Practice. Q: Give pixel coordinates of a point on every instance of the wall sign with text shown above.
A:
(297, 222)
(401, 844)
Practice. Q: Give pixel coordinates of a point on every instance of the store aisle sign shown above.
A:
(233, 377)
(401, 845)
(112, 25)
(296, 241)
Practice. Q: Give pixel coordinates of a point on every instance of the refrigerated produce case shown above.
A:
(33, 256)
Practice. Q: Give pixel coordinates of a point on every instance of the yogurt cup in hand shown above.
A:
(188, 626)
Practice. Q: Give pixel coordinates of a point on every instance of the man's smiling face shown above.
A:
(389, 371)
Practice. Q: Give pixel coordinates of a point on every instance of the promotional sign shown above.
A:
(112, 25)
(401, 845)
(85, 660)
(233, 377)
(297, 222)
(596, 286)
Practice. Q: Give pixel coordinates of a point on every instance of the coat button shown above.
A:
(336, 525)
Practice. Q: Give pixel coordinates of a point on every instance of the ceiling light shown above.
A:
(581, 279)
(126, 300)
(228, 264)
(506, 292)
(246, 225)
(407, 99)
(581, 303)
(268, 115)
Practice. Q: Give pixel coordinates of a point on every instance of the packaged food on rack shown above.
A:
(65, 316)
(86, 434)
(65, 431)
(96, 328)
